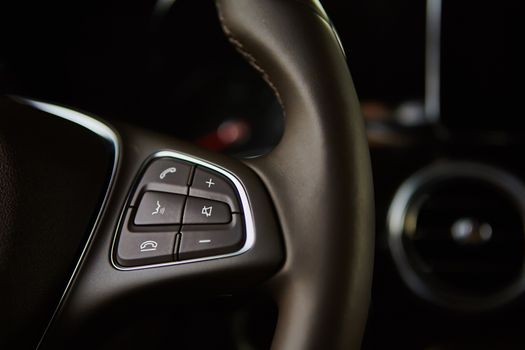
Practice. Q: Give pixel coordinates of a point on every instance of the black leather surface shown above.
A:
(318, 176)
(103, 301)
(53, 175)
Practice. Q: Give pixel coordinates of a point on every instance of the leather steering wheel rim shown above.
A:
(318, 176)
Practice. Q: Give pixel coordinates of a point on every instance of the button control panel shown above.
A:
(178, 211)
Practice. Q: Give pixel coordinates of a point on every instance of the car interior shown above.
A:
(262, 174)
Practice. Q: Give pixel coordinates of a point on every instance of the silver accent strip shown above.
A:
(81, 119)
(433, 60)
(245, 204)
(104, 131)
(411, 191)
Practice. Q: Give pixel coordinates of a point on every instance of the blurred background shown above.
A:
(440, 81)
(167, 65)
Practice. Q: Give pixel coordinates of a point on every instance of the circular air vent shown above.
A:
(456, 233)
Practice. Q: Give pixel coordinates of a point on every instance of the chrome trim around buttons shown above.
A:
(104, 131)
(245, 205)
(78, 118)
(412, 190)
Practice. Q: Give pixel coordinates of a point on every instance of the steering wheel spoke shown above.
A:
(166, 233)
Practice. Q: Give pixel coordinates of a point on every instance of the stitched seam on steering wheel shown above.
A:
(248, 56)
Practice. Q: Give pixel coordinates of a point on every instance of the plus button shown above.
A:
(210, 183)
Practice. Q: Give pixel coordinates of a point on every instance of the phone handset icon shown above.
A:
(148, 246)
(167, 171)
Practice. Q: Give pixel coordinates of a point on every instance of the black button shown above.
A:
(205, 211)
(145, 248)
(157, 208)
(202, 241)
(164, 175)
(142, 248)
(210, 184)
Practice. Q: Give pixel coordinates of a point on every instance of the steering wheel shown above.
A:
(297, 222)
